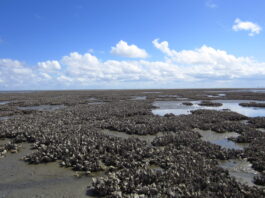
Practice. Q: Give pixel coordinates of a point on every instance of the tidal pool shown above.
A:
(138, 98)
(5, 117)
(4, 102)
(177, 108)
(43, 107)
(216, 96)
(221, 139)
(21, 180)
(240, 169)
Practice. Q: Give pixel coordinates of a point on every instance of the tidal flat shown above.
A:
(133, 143)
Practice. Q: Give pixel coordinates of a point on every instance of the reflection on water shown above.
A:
(98, 102)
(240, 169)
(19, 179)
(152, 92)
(216, 96)
(138, 98)
(5, 117)
(4, 102)
(177, 108)
(240, 90)
(43, 107)
(221, 139)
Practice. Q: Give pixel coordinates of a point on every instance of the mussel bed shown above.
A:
(185, 165)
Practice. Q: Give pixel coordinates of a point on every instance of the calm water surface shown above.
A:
(177, 108)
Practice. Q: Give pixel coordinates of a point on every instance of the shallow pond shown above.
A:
(152, 92)
(221, 139)
(240, 90)
(43, 107)
(240, 169)
(177, 108)
(4, 102)
(216, 96)
(5, 117)
(96, 103)
(19, 179)
(138, 98)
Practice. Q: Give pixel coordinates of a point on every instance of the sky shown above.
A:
(131, 44)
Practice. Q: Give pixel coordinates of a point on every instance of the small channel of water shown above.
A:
(221, 139)
(43, 107)
(240, 169)
(177, 108)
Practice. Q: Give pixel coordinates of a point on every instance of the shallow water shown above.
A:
(241, 170)
(261, 130)
(43, 107)
(241, 90)
(95, 103)
(217, 96)
(138, 98)
(152, 92)
(177, 108)
(4, 102)
(19, 179)
(5, 117)
(221, 139)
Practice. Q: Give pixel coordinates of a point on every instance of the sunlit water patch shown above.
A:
(221, 139)
(4, 102)
(177, 108)
(5, 117)
(138, 98)
(43, 107)
(216, 96)
(19, 179)
(240, 169)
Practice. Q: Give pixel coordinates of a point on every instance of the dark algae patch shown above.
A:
(132, 143)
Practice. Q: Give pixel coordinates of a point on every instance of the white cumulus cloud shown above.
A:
(251, 27)
(49, 66)
(130, 51)
(204, 64)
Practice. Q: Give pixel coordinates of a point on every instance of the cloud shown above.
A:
(210, 4)
(210, 62)
(130, 51)
(203, 66)
(251, 27)
(49, 66)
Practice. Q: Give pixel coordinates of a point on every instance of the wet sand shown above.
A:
(19, 179)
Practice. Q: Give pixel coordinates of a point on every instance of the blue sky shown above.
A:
(90, 44)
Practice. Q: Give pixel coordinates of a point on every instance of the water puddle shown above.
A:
(168, 96)
(92, 99)
(96, 103)
(177, 108)
(221, 139)
(5, 117)
(261, 130)
(43, 107)
(138, 98)
(240, 90)
(216, 96)
(4, 102)
(152, 92)
(240, 169)
(123, 135)
(19, 179)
